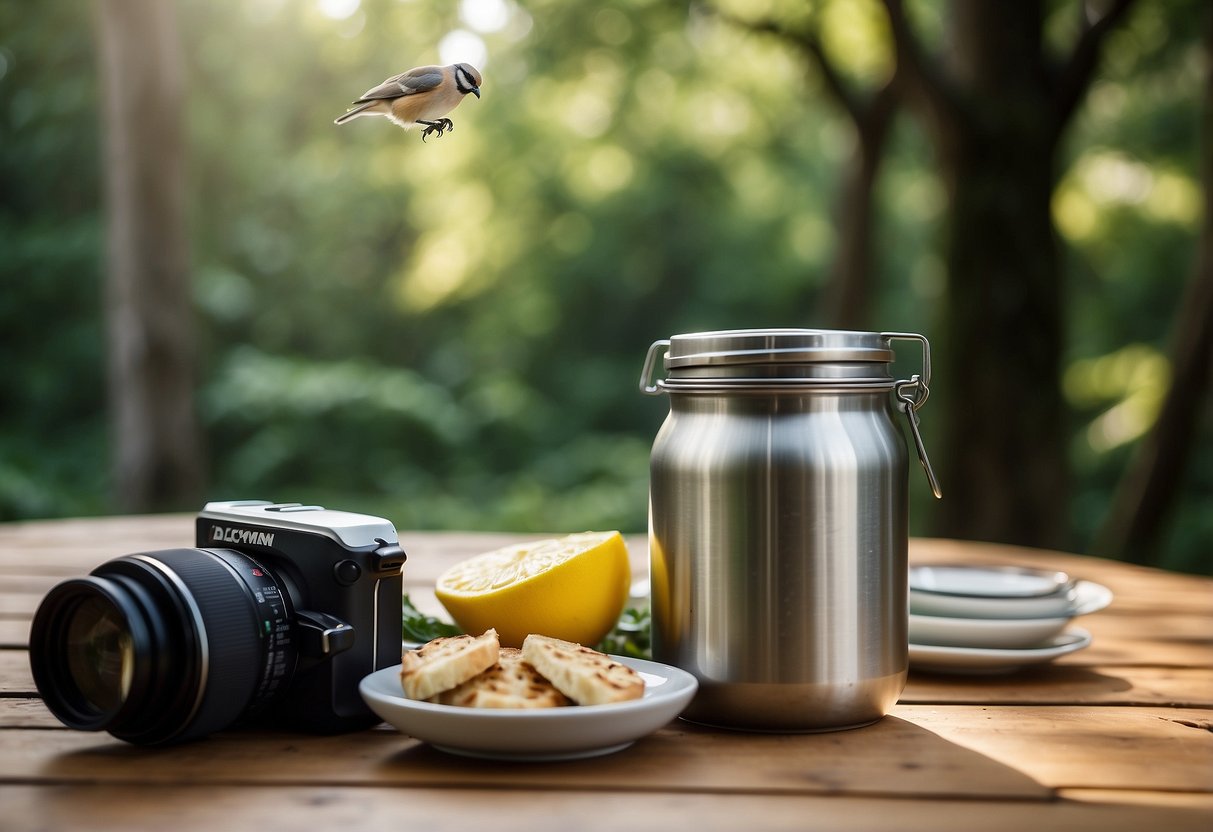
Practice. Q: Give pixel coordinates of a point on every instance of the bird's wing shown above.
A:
(421, 79)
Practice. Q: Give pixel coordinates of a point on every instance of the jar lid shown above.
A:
(777, 361)
(776, 346)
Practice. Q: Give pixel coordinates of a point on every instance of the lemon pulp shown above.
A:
(572, 588)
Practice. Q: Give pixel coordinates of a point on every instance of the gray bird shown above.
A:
(422, 95)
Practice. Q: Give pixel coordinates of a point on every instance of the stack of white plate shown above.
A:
(996, 619)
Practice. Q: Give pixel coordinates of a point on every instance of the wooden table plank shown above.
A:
(19, 605)
(1060, 683)
(15, 675)
(1055, 684)
(14, 633)
(108, 808)
(26, 712)
(1117, 736)
(892, 757)
(950, 751)
(69, 546)
(1059, 686)
(1169, 749)
(1169, 640)
(1166, 638)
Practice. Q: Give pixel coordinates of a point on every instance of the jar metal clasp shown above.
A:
(912, 394)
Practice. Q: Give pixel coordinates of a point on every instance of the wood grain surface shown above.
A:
(1117, 736)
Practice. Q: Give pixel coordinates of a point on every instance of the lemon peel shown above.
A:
(571, 588)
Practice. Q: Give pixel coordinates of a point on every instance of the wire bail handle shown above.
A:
(647, 385)
(912, 394)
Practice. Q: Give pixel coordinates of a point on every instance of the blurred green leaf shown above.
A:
(421, 628)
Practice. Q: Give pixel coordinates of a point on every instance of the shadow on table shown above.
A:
(1052, 685)
(893, 757)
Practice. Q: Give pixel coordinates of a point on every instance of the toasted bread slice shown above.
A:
(511, 683)
(583, 675)
(445, 663)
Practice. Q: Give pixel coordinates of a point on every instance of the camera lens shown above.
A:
(163, 646)
(99, 653)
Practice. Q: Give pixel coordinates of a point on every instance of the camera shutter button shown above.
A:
(347, 572)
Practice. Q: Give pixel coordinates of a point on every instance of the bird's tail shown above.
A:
(353, 112)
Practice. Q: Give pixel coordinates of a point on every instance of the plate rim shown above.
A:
(1007, 634)
(1058, 585)
(991, 623)
(1089, 596)
(603, 729)
(1081, 639)
(651, 694)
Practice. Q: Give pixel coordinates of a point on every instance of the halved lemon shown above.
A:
(572, 588)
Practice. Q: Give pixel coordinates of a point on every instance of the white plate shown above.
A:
(1079, 599)
(535, 734)
(1004, 633)
(988, 581)
(972, 607)
(976, 660)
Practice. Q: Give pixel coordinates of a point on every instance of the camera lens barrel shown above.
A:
(163, 646)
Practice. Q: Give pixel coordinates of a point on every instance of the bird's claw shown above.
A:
(440, 126)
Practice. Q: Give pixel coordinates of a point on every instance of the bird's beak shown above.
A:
(476, 91)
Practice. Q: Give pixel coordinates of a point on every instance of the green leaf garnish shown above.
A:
(417, 626)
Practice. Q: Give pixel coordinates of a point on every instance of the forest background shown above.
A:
(212, 292)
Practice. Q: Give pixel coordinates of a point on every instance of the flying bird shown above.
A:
(422, 95)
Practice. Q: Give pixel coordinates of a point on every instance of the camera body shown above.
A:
(338, 605)
(273, 619)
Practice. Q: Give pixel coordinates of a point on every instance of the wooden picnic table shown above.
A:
(1117, 736)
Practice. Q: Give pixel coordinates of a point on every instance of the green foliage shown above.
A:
(1129, 208)
(632, 636)
(52, 432)
(420, 628)
(450, 333)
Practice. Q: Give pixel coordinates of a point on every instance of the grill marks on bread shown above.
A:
(584, 675)
(476, 672)
(445, 663)
(511, 683)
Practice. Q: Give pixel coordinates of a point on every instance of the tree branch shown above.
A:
(847, 293)
(810, 45)
(1075, 75)
(921, 75)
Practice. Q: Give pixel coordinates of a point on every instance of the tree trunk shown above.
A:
(1147, 491)
(996, 110)
(1004, 469)
(156, 455)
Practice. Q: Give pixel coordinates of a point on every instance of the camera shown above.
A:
(274, 618)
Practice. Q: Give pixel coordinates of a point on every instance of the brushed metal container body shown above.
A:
(778, 538)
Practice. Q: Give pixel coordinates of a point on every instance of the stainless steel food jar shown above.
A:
(777, 523)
